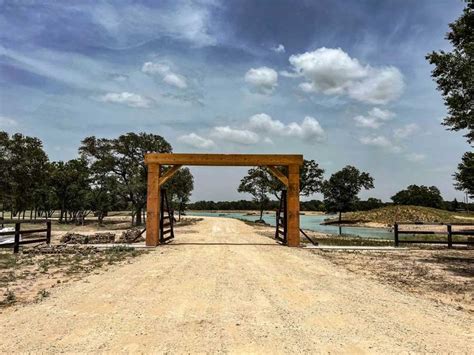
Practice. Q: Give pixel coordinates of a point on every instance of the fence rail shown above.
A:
(18, 236)
(449, 233)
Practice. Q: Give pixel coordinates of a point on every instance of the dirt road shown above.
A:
(222, 288)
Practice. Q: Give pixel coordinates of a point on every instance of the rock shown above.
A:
(97, 238)
(131, 236)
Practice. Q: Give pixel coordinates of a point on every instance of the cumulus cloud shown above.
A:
(415, 157)
(263, 79)
(309, 129)
(380, 141)
(240, 136)
(332, 71)
(7, 122)
(279, 49)
(165, 72)
(126, 98)
(379, 87)
(196, 141)
(405, 131)
(374, 118)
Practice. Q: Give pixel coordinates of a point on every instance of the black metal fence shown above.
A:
(449, 233)
(19, 234)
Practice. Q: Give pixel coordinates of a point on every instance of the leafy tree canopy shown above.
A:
(341, 190)
(419, 196)
(124, 158)
(454, 73)
(465, 175)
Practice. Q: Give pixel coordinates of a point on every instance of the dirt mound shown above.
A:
(392, 214)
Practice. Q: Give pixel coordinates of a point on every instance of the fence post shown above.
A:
(395, 233)
(48, 232)
(16, 245)
(450, 236)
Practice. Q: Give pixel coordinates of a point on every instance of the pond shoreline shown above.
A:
(312, 222)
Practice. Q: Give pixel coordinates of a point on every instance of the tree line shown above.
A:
(108, 175)
(414, 195)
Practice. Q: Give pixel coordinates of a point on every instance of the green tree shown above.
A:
(341, 189)
(311, 179)
(369, 204)
(465, 175)
(454, 73)
(123, 158)
(419, 196)
(23, 164)
(71, 183)
(257, 183)
(179, 189)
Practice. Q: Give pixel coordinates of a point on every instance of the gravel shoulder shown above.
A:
(221, 287)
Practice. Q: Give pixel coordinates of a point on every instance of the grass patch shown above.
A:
(26, 274)
(391, 214)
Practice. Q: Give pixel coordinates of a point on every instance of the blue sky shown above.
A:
(342, 82)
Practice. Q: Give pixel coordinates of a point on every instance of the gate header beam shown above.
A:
(224, 159)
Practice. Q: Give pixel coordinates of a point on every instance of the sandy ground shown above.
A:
(221, 287)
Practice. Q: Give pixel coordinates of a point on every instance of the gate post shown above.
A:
(153, 205)
(293, 206)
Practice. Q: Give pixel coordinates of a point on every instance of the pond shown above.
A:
(311, 222)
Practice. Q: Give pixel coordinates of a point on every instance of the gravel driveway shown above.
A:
(220, 287)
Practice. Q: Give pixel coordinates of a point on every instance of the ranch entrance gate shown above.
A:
(156, 179)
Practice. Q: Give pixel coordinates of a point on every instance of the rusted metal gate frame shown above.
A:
(165, 207)
(281, 227)
(157, 178)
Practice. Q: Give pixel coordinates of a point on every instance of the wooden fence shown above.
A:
(449, 233)
(18, 234)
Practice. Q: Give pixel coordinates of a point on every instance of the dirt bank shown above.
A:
(220, 287)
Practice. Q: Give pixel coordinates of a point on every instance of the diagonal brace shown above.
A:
(169, 174)
(278, 174)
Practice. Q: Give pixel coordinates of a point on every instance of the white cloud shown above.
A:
(126, 98)
(367, 122)
(265, 123)
(380, 141)
(135, 23)
(240, 136)
(279, 49)
(374, 118)
(196, 141)
(415, 157)
(332, 71)
(264, 79)
(405, 131)
(379, 87)
(309, 129)
(7, 122)
(384, 115)
(167, 75)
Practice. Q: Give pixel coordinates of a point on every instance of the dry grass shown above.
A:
(443, 275)
(26, 277)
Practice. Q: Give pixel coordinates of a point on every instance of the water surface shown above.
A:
(311, 222)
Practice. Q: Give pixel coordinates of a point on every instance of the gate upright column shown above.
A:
(293, 206)
(153, 205)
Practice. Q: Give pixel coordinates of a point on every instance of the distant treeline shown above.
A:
(311, 205)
